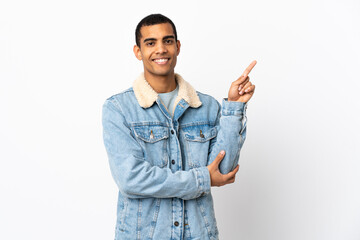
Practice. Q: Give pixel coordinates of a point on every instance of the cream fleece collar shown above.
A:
(146, 95)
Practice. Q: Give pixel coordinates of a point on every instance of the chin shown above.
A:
(162, 73)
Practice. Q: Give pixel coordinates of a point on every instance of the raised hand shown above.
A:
(218, 179)
(242, 89)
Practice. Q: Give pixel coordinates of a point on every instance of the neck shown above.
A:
(161, 84)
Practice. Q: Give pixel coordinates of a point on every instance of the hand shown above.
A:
(218, 179)
(242, 89)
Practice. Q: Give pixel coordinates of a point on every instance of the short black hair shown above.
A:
(150, 20)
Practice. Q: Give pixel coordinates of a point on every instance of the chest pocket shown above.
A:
(153, 140)
(197, 142)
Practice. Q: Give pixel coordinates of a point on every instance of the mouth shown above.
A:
(161, 61)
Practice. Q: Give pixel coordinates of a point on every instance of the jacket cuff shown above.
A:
(203, 180)
(233, 108)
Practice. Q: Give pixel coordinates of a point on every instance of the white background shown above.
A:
(300, 165)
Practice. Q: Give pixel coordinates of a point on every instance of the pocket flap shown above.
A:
(199, 134)
(151, 134)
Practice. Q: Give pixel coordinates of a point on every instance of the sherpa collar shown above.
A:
(146, 95)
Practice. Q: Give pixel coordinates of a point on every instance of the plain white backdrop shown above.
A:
(300, 165)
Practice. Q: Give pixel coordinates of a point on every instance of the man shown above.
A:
(165, 142)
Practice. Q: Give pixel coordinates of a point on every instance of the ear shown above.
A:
(178, 45)
(137, 52)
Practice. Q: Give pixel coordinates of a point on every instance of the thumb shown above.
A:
(219, 158)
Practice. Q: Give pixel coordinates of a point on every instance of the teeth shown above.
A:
(161, 60)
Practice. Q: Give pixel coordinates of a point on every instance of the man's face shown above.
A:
(158, 49)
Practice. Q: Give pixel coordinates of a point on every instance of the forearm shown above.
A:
(141, 180)
(231, 135)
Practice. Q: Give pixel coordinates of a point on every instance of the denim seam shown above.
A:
(187, 151)
(155, 123)
(164, 159)
(210, 123)
(243, 124)
(123, 216)
(201, 180)
(226, 112)
(138, 227)
(212, 133)
(202, 209)
(117, 105)
(154, 221)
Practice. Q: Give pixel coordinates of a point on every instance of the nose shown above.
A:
(161, 48)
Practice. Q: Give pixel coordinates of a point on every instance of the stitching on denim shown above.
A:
(232, 113)
(207, 225)
(123, 215)
(161, 106)
(187, 226)
(212, 131)
(138, 227)
(210, 123)
(140, 134)
(117, 105)
(164, 160)
(143, 142)
(188, 155)
(154, 221)
(189, 142)
(150, 123)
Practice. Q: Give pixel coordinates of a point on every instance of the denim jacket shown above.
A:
(159, 162)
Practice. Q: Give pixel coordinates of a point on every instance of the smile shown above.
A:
(161, 60)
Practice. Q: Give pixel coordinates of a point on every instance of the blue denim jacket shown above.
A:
(159, 162)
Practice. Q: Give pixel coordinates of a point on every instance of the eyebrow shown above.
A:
(154, 39)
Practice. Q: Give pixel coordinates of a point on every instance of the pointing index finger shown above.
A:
(249, 68)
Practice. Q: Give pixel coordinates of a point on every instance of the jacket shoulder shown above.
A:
(125, 102)
(121, 94)
(207, 99)
(121, 97)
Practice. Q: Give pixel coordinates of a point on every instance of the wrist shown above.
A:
(233, 100)
(233, 107)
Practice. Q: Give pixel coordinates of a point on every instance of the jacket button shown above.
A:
(172, 131)
(173, 161)
(176, 223)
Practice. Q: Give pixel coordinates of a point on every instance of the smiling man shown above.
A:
(166, 143)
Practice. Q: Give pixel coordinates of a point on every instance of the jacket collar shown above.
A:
(146, 95)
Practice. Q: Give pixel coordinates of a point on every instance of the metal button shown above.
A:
(201, 134)
(172, 131)
(173, 161)
(176, 223)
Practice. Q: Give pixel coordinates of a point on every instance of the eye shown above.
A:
(169, 41)
(150, 44)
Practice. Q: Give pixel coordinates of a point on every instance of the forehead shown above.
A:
(156, 31)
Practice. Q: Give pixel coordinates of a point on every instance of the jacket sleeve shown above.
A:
(231, 134)
(135, 177)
